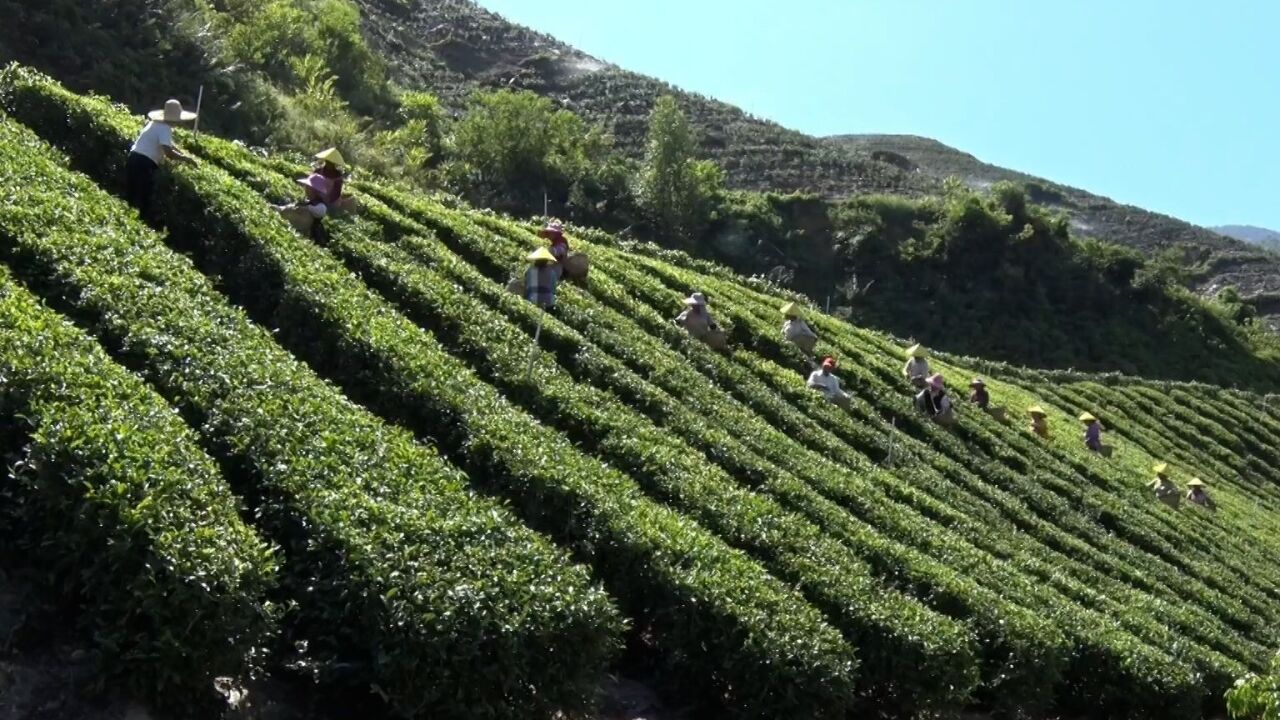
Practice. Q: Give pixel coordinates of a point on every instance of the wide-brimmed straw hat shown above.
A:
(917, 351)
(1037, 410)
(977, 382)
(1197, 482)
(792, 310)
(696, 299)
(541, 254)
(936, 382)
(554, 227)
(1160, 468)
(316, 182)
(171, 113)
(333, 157)
(1088, 418)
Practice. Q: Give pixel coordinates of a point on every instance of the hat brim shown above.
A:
(159, 116)
(336, 161)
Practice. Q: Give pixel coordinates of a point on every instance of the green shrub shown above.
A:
(112, 495)
(437, 598)
(732, 631)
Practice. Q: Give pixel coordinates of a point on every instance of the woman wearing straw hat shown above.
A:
(1039, 421)
(796, 331)
(696, 319)
(540, 279)
(152, 148)
(978, 394)
(554, 232)
(308, 214)
(1166, 492)
(933, 401)
(1196, 494)
(917, 367)
(1093, 434)
(331, 166)
(826, 382)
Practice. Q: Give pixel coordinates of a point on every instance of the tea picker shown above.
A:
(153, 147)
(917, 368)
(828, 384)
(796, 331)
(573, 265)
(697, 321)
(540, 289)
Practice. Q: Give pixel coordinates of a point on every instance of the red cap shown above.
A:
(829, 362)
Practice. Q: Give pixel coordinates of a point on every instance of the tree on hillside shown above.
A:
(511, 147)
(416, 147)
(674, 190)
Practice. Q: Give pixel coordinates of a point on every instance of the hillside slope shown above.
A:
(1269, 239)
(1217, 258)
(775, 555)
(454, 46)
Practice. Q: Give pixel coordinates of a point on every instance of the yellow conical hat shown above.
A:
(792, 309)
(333, 157)
(1160, 468)
(1036, 410)
(1196, 482)
(1088, 418)
(917, 350)
(541, 254)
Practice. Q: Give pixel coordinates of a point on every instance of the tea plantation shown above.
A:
(225, 439)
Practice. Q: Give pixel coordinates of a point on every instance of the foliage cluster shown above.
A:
(113, 495)
(782, 555)
(992, 275)
(698, 598)
(400, 573)
(1134, 660)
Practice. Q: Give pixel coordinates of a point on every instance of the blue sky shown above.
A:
(1172, 106)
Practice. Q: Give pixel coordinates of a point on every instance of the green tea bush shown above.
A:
(437, 598)
(113, 497)
(713, 614)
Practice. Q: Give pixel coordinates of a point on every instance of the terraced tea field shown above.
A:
(228, 439)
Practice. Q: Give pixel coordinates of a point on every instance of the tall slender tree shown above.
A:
(673, 188)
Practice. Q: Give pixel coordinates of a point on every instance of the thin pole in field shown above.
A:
(199, 102)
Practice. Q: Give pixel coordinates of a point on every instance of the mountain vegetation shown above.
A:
(332, 83)
(455, 46)
(364, 469)
(771, 554)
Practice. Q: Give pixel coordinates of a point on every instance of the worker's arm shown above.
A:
(177, 155)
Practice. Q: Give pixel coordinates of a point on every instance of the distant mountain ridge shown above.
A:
(1269, 239)
(454, 46)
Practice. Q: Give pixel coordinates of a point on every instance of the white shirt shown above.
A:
(151, 143)
(793, 330)
(917, 368)
(829, 384)
(317, 211)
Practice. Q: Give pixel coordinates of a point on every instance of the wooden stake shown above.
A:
(199, 102)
